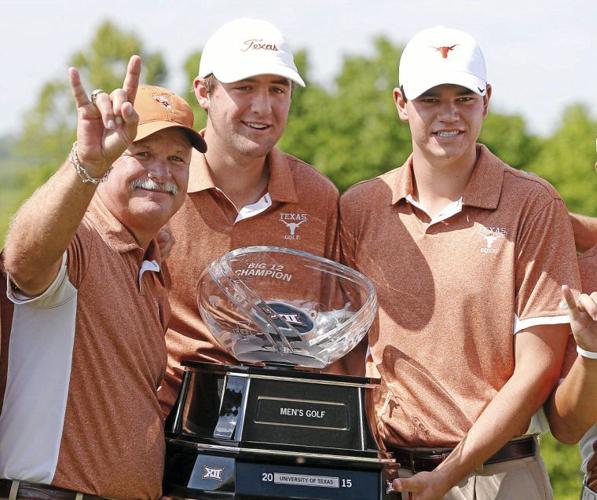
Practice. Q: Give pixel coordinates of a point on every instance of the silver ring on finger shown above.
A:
(94, 95)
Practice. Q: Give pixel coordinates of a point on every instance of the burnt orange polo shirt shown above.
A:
(298, 211)
(453, 291)
(587, 263)
(84, 362)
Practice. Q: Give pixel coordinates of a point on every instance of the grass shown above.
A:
(563, 465)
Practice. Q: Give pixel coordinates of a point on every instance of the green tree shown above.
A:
(49, 127)
(103, 63)
(191, 69)
(566, 159)
(298, 138)
(351, 132)
(508, 138)
(563, 465)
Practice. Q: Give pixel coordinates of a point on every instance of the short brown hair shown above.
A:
(210, 82)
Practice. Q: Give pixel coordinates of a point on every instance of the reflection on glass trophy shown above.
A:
(274, 426)
(275, 305)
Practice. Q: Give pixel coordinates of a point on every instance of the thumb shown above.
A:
(403, 485)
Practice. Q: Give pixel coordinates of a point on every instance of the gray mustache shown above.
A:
(150, 184)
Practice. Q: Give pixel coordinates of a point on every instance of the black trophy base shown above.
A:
(242, 474)
(262, 432)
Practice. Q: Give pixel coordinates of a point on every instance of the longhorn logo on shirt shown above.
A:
(292, 221)
(491, 234)
(444, 51)
(212, 473)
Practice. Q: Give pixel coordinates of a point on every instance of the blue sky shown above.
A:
(541, 55)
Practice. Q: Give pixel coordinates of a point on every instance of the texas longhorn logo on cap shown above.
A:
(163, 100)
(445, 50)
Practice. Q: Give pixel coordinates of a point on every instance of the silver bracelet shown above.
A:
(82, 171)
(586, 354)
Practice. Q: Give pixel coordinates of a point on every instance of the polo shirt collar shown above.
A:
(281, 186)
(483, 189)
(199, 175)
(400, 181)
(115, 234)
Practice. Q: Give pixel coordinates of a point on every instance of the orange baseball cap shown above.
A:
(159, 108)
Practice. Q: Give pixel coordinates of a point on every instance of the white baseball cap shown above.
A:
(436, 56)
(248, 47)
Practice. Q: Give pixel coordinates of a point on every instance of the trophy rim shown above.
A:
(289, 372)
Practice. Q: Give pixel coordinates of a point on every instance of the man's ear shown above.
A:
(486, 99)
(400, 103)
(201, 93)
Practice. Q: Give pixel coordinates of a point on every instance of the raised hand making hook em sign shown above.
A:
(107, 123)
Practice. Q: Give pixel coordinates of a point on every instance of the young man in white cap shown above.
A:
(243, 191)
(83, 350)
(468, 255)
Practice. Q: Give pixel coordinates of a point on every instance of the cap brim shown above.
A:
(239, 72)
(146, 129)
(412, 90)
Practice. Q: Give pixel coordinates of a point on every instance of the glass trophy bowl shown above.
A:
(277, 306)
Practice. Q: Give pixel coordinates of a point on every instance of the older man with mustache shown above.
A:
(83, 350)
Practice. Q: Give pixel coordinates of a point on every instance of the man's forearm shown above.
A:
(508, 414)
(572, 409)
(43, 227)
(47, 222)
(585, 231)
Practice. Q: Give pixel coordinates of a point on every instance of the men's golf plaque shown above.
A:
(273, 426)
